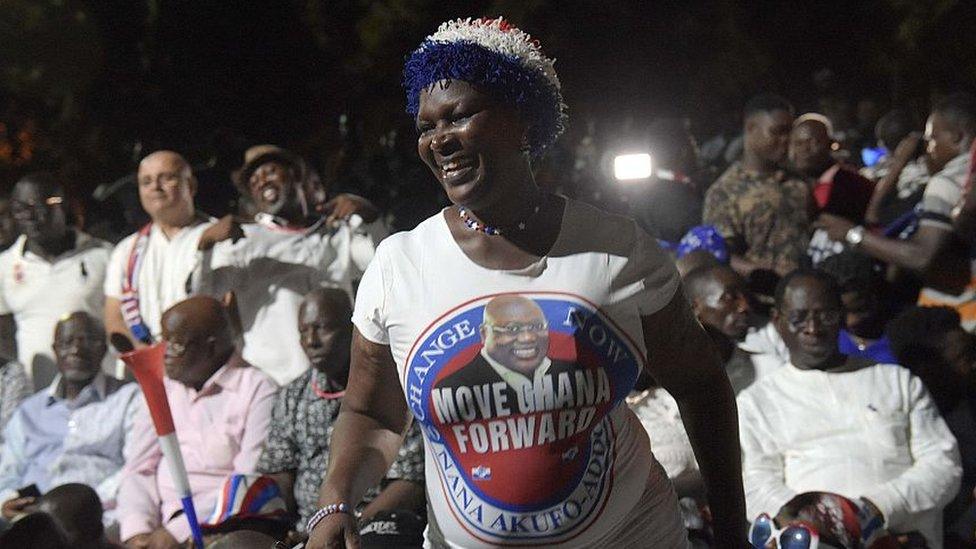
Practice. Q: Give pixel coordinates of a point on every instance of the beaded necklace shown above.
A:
(471, 223)
(326, 394)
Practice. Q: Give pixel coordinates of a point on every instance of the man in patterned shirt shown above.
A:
(296, 453)
(761, 211)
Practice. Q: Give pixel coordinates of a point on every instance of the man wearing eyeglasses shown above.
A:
(515, 344)
(52, 269)
(848, 425)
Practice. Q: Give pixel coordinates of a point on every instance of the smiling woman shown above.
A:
(511, 326)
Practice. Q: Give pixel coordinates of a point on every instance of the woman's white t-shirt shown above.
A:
(548, 457)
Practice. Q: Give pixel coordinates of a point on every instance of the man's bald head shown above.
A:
(510, 306)
(172, 159)
(325, 328)
(166, 188)
(200, 339)
(77, 509)
(515, 333)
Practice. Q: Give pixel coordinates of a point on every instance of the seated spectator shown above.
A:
(720, 300)
(837, 189)
(75, 431)
(221, 407)
(288, 253)
(862, 287)
(761, 211)
(827, 422)
(77, 511)
(51, 270)
(949, 132)
(931, 343)
(296, 453)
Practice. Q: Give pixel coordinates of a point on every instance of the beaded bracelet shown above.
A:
(329, 509)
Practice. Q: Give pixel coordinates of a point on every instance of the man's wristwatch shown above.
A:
(854, 236)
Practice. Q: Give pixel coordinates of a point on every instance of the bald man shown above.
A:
(149, 269)
(52, 269)
(515, 345)
(837, 189)
(221, 408)
(77, 510)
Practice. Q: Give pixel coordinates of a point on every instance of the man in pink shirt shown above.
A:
(221, 407)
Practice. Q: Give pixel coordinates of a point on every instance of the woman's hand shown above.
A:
(336, 531)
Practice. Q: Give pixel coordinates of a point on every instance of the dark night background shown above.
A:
(87, 87)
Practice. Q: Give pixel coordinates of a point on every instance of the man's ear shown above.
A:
(229, 302)
(961, 141)
(193, 185)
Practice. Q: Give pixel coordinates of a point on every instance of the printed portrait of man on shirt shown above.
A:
(515, 395)
(514, 352)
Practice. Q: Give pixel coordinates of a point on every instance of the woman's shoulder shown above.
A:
(414, 240)
(587, 228)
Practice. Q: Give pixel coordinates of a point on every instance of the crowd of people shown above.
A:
(793, 337)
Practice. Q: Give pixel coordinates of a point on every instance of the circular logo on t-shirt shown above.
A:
(513, 392)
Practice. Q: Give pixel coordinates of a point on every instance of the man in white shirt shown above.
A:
(51, 270)
(289, 252)
(149, 269)
(827, 422)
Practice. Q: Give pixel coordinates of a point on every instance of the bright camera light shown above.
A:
(632, 166)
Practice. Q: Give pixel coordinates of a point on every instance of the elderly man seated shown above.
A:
(74, 431)
(848, 425)
(221, 407)
(297, 451)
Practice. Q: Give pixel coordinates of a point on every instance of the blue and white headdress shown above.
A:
(502, 61)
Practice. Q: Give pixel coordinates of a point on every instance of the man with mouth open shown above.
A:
(291, 250)
(848, 425)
